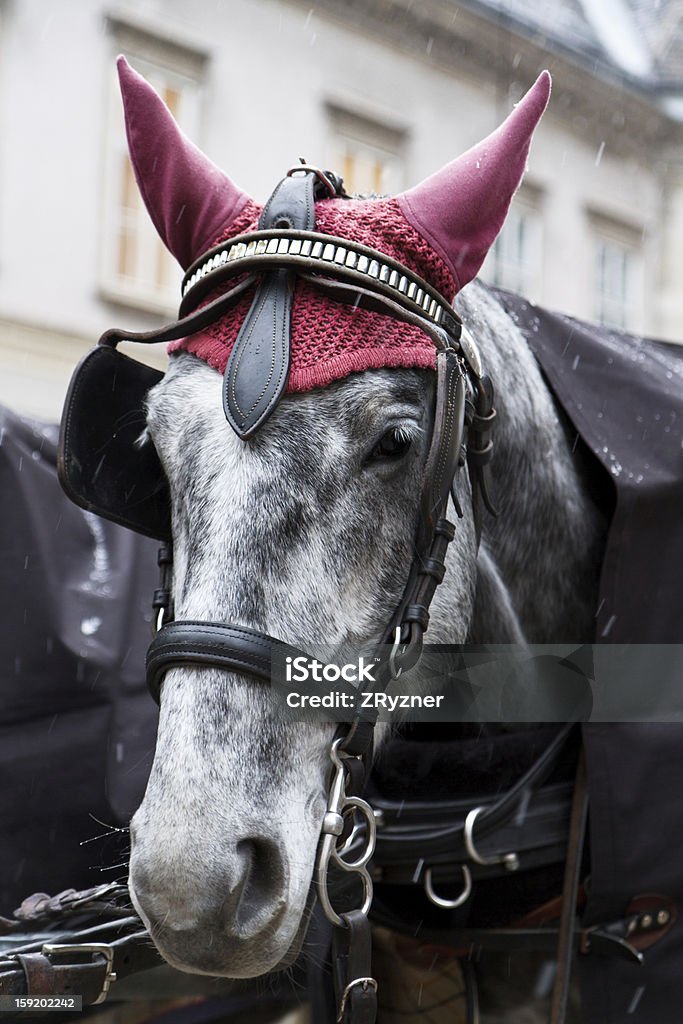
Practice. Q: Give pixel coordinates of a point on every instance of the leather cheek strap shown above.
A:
(444, 452)
(434, 533)
(257, 370)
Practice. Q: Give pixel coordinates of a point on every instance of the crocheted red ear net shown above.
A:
(331, 339)
(441, 229)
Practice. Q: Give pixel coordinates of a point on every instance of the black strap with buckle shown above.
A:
(356, 989)
(85, 962)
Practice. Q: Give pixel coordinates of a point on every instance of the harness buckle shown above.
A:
(393, 666)
(405, 654)
(320, 175)
(95, 949)
(365, 984)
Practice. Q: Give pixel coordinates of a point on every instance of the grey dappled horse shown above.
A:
(306, 531)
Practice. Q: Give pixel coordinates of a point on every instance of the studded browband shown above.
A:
(286, 246)
(309, 250)
(328, 256)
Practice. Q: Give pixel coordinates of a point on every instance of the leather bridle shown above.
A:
(463, 420)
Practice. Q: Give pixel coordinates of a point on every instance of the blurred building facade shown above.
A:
(385, 92)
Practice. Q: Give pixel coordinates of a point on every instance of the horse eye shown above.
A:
(392, 445)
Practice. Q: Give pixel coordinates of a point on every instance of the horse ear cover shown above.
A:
(462, 207)
(188, 198)
(441, 229)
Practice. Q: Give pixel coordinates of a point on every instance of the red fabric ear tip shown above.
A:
(122, 65)
(461, 208)
(130, 81)
(545, 81)
(188, 198)
(535, 101)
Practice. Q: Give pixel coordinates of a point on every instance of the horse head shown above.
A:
(302, 528)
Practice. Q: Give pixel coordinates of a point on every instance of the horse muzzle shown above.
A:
(239, 920)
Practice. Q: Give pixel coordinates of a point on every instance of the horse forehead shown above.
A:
(370, 392)
(187, 408)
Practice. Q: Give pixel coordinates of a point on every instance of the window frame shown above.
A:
(351, 133)
(626, 242)
(521, 276)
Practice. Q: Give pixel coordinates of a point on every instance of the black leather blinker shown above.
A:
(256, 374)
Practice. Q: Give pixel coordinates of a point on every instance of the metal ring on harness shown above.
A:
(320, 175)
(510, 860)
(338, 803)
(440, 901)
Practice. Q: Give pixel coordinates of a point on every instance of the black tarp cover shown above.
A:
(624, 396)
(77, 726)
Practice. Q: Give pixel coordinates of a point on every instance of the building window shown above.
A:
(515, 260)
(136, 267)
(369, 155)
(617, 300)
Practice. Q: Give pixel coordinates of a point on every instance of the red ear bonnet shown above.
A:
(441, 229)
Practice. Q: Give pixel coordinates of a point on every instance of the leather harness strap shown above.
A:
(84, 963)
(355, 988)
(257, 370)
(570, 889)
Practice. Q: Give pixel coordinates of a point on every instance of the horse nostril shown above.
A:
(263, 880)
